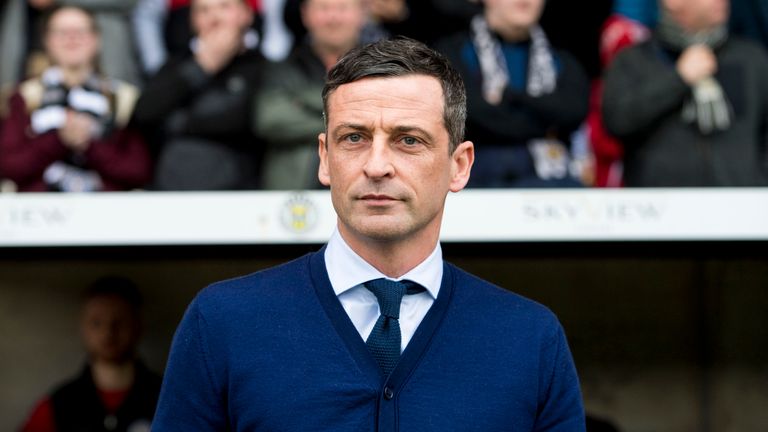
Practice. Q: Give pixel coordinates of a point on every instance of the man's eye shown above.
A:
(354, 138)
(410, 140)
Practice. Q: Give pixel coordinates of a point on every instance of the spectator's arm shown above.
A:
(24, 155)
(520, 117)
(122, 160)
(636, 94)
(175, 84)
(286, 110)
(565, 109)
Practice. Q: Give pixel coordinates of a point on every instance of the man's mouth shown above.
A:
(377, 199)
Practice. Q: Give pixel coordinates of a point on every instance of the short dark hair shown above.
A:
(399, 57)
(118, 286)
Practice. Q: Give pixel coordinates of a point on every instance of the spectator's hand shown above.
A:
(218, 47)
(388, 10)
(77, 131)
(696, 63)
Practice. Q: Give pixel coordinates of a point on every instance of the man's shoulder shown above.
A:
(266, 282)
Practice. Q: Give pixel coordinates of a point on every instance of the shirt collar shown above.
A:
(346, 269)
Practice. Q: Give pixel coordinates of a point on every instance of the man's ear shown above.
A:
(322, 150)
(461, 165)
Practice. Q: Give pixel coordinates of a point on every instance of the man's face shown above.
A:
(385, 157)
(516, 14)
(109, 328)
(334, 24)
(210, 15)
(71, 40)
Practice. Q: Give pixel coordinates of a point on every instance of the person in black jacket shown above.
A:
(198, 105)
(690, 104)
(524, 97)
(114, 391)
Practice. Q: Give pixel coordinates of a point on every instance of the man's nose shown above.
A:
(380, 159)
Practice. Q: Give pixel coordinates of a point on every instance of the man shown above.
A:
(690, 105)
(201, 104)
(303, 346)
(524, 97)
(289, 107)
(114, 391)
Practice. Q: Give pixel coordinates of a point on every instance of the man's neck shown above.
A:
(113, 375)
(393, 258)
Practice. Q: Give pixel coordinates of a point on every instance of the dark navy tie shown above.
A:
(384, 341)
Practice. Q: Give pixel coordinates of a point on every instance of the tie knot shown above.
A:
(390, 293)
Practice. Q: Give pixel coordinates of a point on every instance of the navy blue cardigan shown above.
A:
(275, 351)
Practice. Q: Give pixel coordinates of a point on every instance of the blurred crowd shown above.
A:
(170, 95)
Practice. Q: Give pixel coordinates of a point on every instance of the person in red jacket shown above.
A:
(67, 129)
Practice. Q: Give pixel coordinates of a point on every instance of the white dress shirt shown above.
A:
(348, 271)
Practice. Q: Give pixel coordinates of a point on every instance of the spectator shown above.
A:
(118, 58)
(690, 103)
(22, 50)
(162, 30)
(201, 104)
(569, 25)
(67, 129)
(114, 391)
(289, 106)
(524, 98)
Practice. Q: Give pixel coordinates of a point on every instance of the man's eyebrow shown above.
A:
(411, 129)
(348, 126)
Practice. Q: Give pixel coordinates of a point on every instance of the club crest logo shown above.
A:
(299, 214)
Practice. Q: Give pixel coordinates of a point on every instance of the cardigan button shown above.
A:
(388, 393)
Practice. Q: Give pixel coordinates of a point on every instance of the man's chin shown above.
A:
(381, 228)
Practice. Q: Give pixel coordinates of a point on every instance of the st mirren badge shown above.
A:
(299, 214)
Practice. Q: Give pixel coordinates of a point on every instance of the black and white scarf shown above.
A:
(542, 75)
(707, 107)
(91, 97)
